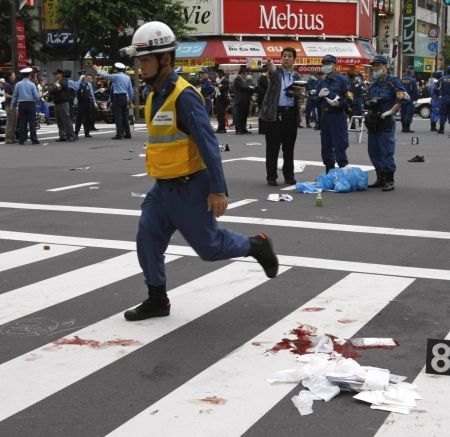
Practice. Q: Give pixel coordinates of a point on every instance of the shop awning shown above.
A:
(309, 53)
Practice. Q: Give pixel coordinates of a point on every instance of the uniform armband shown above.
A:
(402, 95)
(349, 95)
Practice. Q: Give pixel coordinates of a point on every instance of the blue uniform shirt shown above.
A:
(338, 85)
(25, 90)
(444, 86)
(121, 83)
(193, 119)
(410, 85)
(287, 79)
(75, 85)
(388, 91)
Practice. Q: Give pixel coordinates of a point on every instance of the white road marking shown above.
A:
(293, 261)
(26, 381)
(431, 417)
(31, 254)
(240, 378)
(52, 291)
(69, 187)
(139, 175)
(240, 203)
(247, 220)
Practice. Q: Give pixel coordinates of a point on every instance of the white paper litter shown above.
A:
(373, 342)
(288, 375)
(253, 144)
(303, 401)
(278, 197)
(298, 167)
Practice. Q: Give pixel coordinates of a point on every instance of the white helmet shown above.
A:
(151, 38)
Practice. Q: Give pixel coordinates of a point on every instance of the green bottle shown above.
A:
(319, 200)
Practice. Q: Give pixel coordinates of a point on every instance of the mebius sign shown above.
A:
(312, 18)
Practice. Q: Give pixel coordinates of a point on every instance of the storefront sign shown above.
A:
(190, 49)
(202, 15)
(59, 39)
(244, 48)
(277, 17)
(347, 49)
(423, 65)
(21, 44)
(409, 27)
(49, 13)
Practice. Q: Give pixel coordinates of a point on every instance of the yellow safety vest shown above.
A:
(171, 152)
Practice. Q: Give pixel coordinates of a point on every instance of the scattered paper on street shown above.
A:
(278, 197)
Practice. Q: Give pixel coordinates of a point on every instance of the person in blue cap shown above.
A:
(334, 98)
(26, 97)
(444, 94)
(407, 109)
(385, 95)
(435, 101)
(121, 99)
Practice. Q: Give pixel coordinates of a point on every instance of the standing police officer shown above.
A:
(435, 101)
(121, 99)
(407, 110)
(190, 189)
(26, 97)
(444, 95)
(385, 95)
(334, 98)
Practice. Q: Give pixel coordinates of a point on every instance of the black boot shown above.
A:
(387, 181)
(433, 126)
(379, 182)
(408, 128)
(441, 129)
(403, 127)
(262, 250)
(157, 305)
(329, 165)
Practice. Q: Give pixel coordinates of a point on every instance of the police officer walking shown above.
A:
(385, 95)
(407, 110)
(26, 97)
(190, 189)
(121, 99)
(435, 101)
(444, 95)
(334, 98)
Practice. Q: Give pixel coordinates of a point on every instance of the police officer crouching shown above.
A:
(26, 97)
(385, 95)
(184, 159)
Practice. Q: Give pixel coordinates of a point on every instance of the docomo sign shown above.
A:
(279, 17)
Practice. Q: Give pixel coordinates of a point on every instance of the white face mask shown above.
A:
(327, 69)
(248, 77)
(377, 74)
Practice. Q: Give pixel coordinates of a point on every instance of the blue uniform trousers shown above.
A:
(310, 110)
(382, 149)
(120, 110)
(175, 205)
(434, 116)
(358, 106)
(407, 112)
(334, 137)
(27, 117)
(444, 109)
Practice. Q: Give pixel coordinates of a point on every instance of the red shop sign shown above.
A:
(279, 17)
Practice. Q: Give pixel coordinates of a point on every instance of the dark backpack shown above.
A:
(83, 92)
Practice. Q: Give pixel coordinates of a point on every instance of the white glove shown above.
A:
(324, 92)
(313, 92)
(82, 77)
(386, 114)
(334, 102)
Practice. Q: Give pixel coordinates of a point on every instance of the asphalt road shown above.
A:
(366, 264)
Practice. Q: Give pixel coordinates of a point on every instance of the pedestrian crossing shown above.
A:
(158, 377)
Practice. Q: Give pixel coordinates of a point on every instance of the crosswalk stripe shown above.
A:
(34, 376)
(238, 381)
(293, 261)
(35, 297)
(241, 203)
(31, 254)
(431, 417)
(69, 187)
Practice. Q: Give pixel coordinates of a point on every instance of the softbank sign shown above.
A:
(277, 17)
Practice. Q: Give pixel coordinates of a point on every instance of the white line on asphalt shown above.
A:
(139, 175)
(31, 254)
(431, 417)
(240, 203)
(38, 374)
(240, 378)
(248, 220)
(69, 187)
(297, 261)
(35, 297)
